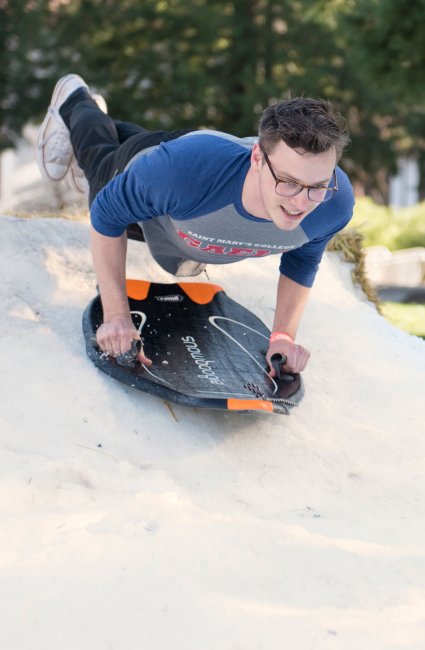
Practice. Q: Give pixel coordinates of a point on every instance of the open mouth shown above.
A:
(293, 214)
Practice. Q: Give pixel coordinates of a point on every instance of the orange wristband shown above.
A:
(278, 336)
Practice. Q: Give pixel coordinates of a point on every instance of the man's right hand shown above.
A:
(115, 335)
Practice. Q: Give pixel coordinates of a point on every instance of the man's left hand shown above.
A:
(296, 356)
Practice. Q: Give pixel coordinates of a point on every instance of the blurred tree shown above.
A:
(218, 63)
(386, 39)
(150, 59)
(24, 70)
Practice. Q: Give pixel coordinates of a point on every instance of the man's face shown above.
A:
(297, 166)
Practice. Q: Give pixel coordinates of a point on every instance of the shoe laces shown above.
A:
(60, 147)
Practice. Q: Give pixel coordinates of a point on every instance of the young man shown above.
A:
(204, 197)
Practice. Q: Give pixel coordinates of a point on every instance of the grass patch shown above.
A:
(393, 228)
(70, 213)
(407, 317)
(349, 243)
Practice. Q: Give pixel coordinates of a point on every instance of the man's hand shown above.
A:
(291, 300)
(116, 334)
(296, 356)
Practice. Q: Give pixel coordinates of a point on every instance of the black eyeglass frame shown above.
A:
(333, 190)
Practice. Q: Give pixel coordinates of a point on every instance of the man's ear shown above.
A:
(256, 157)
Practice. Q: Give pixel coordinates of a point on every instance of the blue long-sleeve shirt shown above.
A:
(187, 196)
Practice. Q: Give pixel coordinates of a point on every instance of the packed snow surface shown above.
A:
(130, 523)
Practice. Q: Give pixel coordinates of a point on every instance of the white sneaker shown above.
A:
(77, 178)
(54, 149)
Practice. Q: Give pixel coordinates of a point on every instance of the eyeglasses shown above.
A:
(317, 193)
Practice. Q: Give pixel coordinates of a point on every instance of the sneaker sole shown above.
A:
(75, 179)
(40, 138)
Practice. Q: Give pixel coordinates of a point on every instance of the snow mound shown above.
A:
(129, 523)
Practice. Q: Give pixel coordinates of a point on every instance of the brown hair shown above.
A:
(309, 124)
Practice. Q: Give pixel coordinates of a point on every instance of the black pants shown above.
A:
(102, 146)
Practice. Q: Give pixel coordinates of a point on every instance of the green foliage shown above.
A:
(24, 64)
(388, 40)
(386, 43)
(408, 317)
(394, 228)
(218, 63)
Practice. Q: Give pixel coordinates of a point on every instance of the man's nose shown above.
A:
(301, 200)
